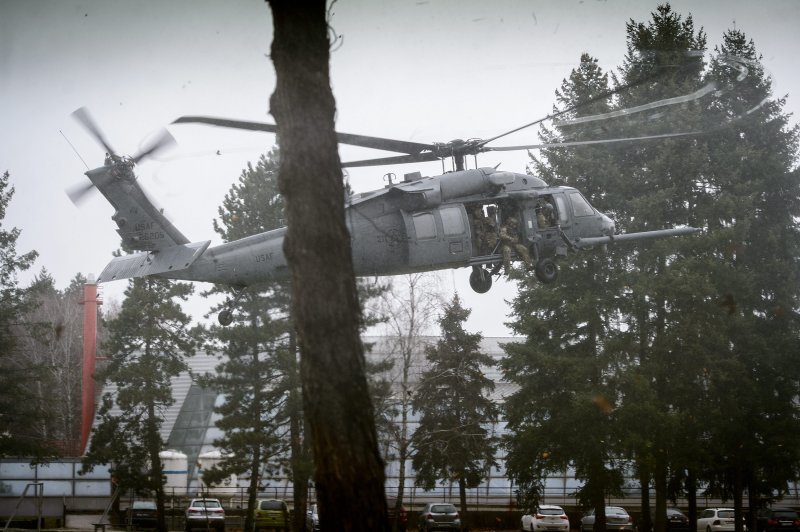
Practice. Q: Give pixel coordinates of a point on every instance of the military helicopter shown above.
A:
(478, 218)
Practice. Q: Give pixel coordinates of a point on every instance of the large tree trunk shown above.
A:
(252, 489)
(156, 478)
(462, 499)
(301, 469)
(737, 500)
(646, 519)
(402, 457)
(660, 482)
(256, 457)
(691, 498)
(349, 469)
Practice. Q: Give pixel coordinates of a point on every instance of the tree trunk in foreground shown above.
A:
(349, 470)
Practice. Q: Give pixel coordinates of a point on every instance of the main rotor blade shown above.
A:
(380, 143)
(400, 159)
(599, 97)
(82, 116)
(364, 141)
(227, 122)
(164, 140)
(587, 142)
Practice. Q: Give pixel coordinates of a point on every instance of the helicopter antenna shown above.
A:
(73, 149)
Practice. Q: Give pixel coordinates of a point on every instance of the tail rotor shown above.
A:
(79, 193)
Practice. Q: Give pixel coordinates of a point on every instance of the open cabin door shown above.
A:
(545, 219)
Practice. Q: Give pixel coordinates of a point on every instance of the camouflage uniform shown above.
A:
(509, 241)
(479, 222)
(491, 234)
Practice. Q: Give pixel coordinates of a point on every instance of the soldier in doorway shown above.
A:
(509, 242)
(481, 226)
(544, 214)
(491, 229)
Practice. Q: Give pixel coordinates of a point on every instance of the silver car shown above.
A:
(312, 518)
(205, 513)
(546, 517)
(616, 519)
(439, 516)
(716, 520)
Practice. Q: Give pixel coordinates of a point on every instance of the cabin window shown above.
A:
(580, 206)
(452, 221)
(424, 225)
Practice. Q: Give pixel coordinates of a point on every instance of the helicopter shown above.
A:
(481, 219)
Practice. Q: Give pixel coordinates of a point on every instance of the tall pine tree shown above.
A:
(148, 344)
(262, 418)
(21, 412)
(667, 306)
(758, 241)
(689, 319)
(454, 442)
(566, 369)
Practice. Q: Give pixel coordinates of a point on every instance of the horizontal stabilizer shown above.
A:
(173, 258)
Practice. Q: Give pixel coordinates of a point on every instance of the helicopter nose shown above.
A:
(607, 227)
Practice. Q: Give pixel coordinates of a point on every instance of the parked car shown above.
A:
(772, 519)
(401, 517)
(205, 513)
(677, 521)
(312, 518)
(616, 519)
(439, 516)
(271, 514)
(546, 517)
(716, 520)
(143, 514)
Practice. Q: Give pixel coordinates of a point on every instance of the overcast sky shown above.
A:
(414, 70)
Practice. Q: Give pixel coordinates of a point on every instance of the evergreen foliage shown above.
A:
(758, 242)
(694, 341)
(455, 441)
(261, 417)
(149, 341)
(22, 413)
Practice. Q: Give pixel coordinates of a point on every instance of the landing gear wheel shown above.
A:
(546, 271)
(480, 280)
(225, 317)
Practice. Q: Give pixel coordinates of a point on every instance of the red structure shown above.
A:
(90, 303)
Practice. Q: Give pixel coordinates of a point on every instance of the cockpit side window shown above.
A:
(580, 207)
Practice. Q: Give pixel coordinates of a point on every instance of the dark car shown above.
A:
(773, 519)
(400, 516)
(677, 521)
(142, 514)
(439, 516)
